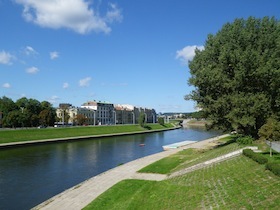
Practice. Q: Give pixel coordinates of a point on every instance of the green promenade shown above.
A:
(237, 183)
(23, 135)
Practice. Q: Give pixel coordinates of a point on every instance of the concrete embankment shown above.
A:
(82, 194)
(76, 138)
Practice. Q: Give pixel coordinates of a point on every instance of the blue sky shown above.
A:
(121, 51)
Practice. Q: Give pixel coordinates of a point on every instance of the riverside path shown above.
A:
(82, 194)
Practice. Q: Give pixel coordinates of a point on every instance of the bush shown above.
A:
(245, 140)
(161, 121)
(248, 152)
(259, 158)
(274, 167)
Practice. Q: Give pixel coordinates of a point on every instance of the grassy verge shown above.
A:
(7, 136)
(238, 183)
(189, 157)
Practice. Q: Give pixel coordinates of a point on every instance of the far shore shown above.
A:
(77, 138)
(194, 122)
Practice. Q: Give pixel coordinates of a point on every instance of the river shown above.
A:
(32, 174)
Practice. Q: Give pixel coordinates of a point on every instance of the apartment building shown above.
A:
(68, 114)
(150, 114)
(104, 112)
(124, 114)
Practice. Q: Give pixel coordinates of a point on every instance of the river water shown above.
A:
(30, 175)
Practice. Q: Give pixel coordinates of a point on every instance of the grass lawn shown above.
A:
(16, 135)
(188, 157)
(238, 183)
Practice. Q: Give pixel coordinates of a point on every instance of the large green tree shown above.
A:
(237, 75)
(26, 112)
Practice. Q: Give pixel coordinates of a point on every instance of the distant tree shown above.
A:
(237, 75)
(142, 119)
(198, 115)
(161, 120)
(26, 112)
(30, 109)
(6, 105)
(48, 115)
(80, 119)
(12, 119)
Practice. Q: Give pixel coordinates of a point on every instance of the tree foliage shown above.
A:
(26, 112)
(237, 75)
(270, 131)
(80, 119)
(142, 119)
(161, 121)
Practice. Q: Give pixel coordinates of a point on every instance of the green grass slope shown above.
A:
(239, 183)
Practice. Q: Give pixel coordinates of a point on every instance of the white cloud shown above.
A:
(187, 53)
(85, 82)
(76, 15)
(53, 99)
(6, 58)
(65, 85)
(114, 14)
(6, 85)
(30, 51)
(32, 70)
(54, 55)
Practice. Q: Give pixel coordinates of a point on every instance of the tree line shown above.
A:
(26, 113)
(237, 77)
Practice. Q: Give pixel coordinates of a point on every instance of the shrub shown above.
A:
(274, 167)
(161, 121)
(248, 152)
(259, 158)
(245, 140)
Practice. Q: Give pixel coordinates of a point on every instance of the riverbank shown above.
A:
(82, 194)
(194, 122)
(17, 138)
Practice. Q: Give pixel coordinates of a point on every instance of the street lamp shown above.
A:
(115, 117)
(133, 119)
(145, 117)
(93, 118)
(22, 108)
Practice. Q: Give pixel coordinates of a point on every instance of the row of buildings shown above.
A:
(104, 113)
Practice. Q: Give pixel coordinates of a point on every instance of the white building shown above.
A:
(69, 114)
(104, 112)
(124, 114)
(150, 114)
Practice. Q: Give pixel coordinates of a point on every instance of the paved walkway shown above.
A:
(209, 162)
(82, 194)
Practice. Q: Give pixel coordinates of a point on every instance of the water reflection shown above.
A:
(30, 175)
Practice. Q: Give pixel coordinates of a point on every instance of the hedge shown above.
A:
(255, 156)
(274, 167)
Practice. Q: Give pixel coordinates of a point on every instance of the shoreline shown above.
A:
(79, 196)
(76, 138)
